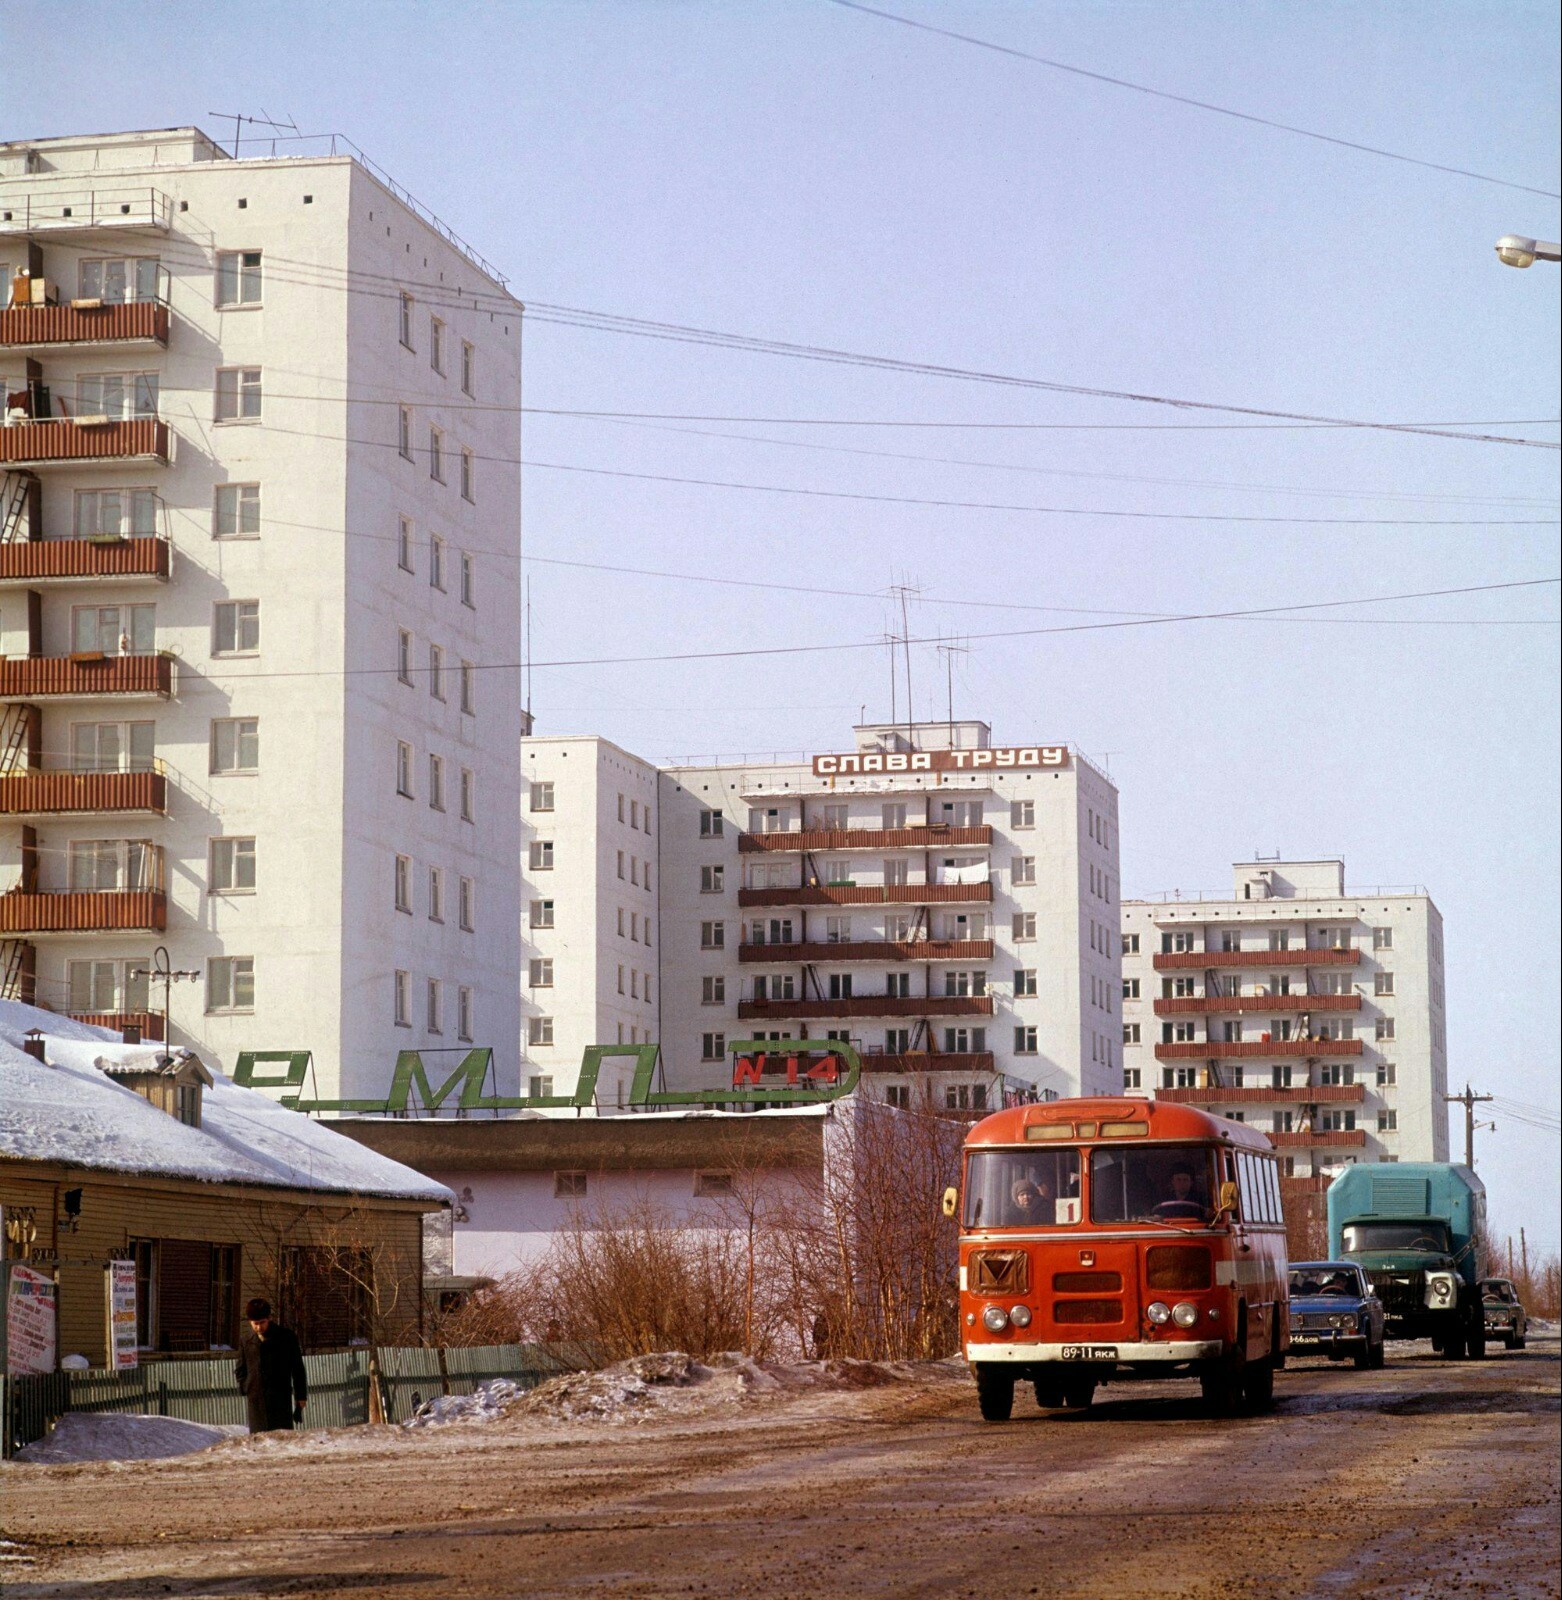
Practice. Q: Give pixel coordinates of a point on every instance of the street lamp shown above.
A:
(1514, 250)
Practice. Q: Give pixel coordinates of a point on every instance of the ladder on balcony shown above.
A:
(16, 970)
(15, 730)
(15, 513)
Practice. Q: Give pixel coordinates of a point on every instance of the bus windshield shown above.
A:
(1021, 1188)
(1159, 1183)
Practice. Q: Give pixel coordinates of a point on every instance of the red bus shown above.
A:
(1119, 1238)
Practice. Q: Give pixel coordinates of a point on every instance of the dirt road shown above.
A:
(1427, 1478)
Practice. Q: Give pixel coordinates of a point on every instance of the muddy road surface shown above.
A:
(1429, 1478)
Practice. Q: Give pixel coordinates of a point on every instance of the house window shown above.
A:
(1130, 944)
(542, 913)
(569, 1185)
(1130, 1033)
(713, 1046)
(1022, 869)
(468, 689)
(468, 581)
(238, 394)
(436, 563)
(539, 1030)
(542, 797)
(230, 983)
(465, 902)
(114, 630)
(468, 795)
(464, 1014)
(404, 544)
(713, 991)
(468, 367)
(404, 883)
(238, 278)
(400, 1007)
(436, 895)
(713, 880)
(235, 744)
(231, 866)
(711, 824)
(433, 1008)
(1130, 988)
(115, 513)
(236, 628)
(1388, 1074)
(406, 320)
(1382, 938)
(1024, 981)
(112, 746)
(121, 279)
(1133, 1078)
(436, 455)
(436, 672)
(404, 431)
(959, 983)
(542, 972)
(1388, 1122)
(542, 855)
(961, 1041)
(1385, 1028)
(468, 477)
(899, 1096)
(436, 345)
(436, 782)
(713, 935)
(1025, 1041)
(540, 1086)
(1383, 983)
(1024, 926)
(1022, 814)
(404, 656)
(404, 769)
(121, 396)
(99, 986)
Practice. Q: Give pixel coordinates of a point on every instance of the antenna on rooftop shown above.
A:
(238, 119)
(949, 652)
(905, 591)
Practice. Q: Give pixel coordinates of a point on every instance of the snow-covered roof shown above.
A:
(68, 1109)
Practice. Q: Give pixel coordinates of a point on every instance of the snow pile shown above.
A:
(69, 1110)
(485, 1404)
(120, 1436)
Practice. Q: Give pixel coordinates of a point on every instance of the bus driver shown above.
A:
(1180, 1203)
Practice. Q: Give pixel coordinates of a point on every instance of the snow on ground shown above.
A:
(120, 1436)
(487, 1403)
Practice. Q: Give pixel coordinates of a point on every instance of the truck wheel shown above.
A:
(994, 1393)
(1258, 1385)
(1475, 1345)
(1453, 1347)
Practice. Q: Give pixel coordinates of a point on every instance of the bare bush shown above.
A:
(1538, 1278)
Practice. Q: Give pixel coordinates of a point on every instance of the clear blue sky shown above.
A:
(803, 172)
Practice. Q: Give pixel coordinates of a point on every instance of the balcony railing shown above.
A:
(36, 561)
(886, 950)
(935, 836)
(67, 441)
(931, 1061)
(149, 1022)
(91, 911)
(906, 894)
(86, 676)
(36, 792)
(1315, 1094)
(1246, 1049)
(1277, 1004)
(126, 322)
(1301, 1139)
(74, 211)
(870, 1005)
(1180, 960)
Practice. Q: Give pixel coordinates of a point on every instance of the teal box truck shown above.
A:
(1418, 1229)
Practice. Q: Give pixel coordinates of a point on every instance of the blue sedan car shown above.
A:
(1335, 1313)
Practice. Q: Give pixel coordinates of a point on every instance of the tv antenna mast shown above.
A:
(238, 119)
(905, 592)
(949, 652)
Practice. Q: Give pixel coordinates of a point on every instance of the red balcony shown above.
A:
(908, 894)
(98, 911)
(36, 792)
(1219, 960)
(931, 837)
(149, 1022)
(131, 322)
(1248, 1049)
(1226, 1005)
(931, 1061)
(47, 444)
(1317, 1094)
(1316, 1138)
(41, 561)
(869, 1005)
(86, 677)
(887, 950)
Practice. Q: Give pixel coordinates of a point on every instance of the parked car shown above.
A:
(1334, 1312)
(1504, 1311)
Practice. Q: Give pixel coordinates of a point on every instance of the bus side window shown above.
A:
(1272, 1175)
(1250, 1208)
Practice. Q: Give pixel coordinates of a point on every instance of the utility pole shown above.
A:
(1469, 1100)
(162, 971)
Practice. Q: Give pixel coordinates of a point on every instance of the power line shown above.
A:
(1198, 105)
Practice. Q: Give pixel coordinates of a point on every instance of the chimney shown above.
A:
(32, 1043)
(132, 1033)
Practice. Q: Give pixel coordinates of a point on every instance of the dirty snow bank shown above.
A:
(486, 1403)
(120, 1436)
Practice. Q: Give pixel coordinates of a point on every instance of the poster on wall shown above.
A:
(121, 1289)
(29, 1320)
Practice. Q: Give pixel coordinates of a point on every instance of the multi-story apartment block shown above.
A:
(1312, 1011)
(259, 543)
(947, 905)
(589, 937)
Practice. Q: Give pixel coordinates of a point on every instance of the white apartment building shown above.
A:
(589, 938)
(1313, 1011)
(948, 905)
(259, 542)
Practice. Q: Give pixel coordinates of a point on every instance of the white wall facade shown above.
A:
(1211, 985)
(320, 924)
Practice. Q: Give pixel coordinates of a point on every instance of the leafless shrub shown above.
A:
(1538, 1278)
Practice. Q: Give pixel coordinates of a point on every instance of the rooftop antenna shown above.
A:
(526, 657)
(904, 590)
(949, 652)
(894, 716)
(238, 119)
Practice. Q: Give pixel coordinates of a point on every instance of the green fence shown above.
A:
(203, 1390)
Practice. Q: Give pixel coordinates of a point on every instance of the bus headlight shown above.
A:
(1185, 1315)
(1158, 1313)
(1020, 1316)
(995, 1319)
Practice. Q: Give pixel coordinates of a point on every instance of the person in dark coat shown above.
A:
(270, 1371)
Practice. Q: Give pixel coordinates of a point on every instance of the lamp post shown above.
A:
(162, 970)
(1514, 250)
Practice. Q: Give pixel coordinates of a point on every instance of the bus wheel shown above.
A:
(1078, 1393)
(994, 1393)
(1258, 1385)
(1222, 1390)
(1049, 1394)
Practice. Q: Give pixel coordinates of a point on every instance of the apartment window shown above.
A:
(468, 689)
(1024, 926)
(231, 866)
(468, 795)
(899, 1096)
(713, 991)
(541, 972)
(230, 983)
(1336, 1073)
(404, 769)
(569, 1185)
(1383, 983)
(404, 656)
(634, 814)
(115, 513)
(406, 320)
(1388, 1074)
(1334, 939)
(840, 985)
(468, 476)
(436, 782)
(121, 279)
(464, 1014)
(434, 1009)
(400, 1005)
(468, 581)
(713, 880)
(236, 628)
(468, 367)
(436, 672)
(238, 394)
(112, 746)
(897, 874)
(1133, 1078)
(404, 431)
(436, 345)
(235, 744)
(1024, 982)
(404, 883)
(436, 563)
(961, 1041)
(1025, 1041)
(1385, 1028)
(238, 278)
(1022, 814)
(539, 1030)
(958, 984)
(542, 855)
(713, 935)
(436, 457)
(122, 396)
(540, 1086)
(404, 544)
(1130, 1033)
(542, 913)
(711, 824)
(114, 630)
(1231, 1032)
(465, 905)
(1388, 1121)
(98, 986)
(634, 984)
(1382, 938)
(542, 797)
(1130, 944)
(1022, 869)
(963, 813)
